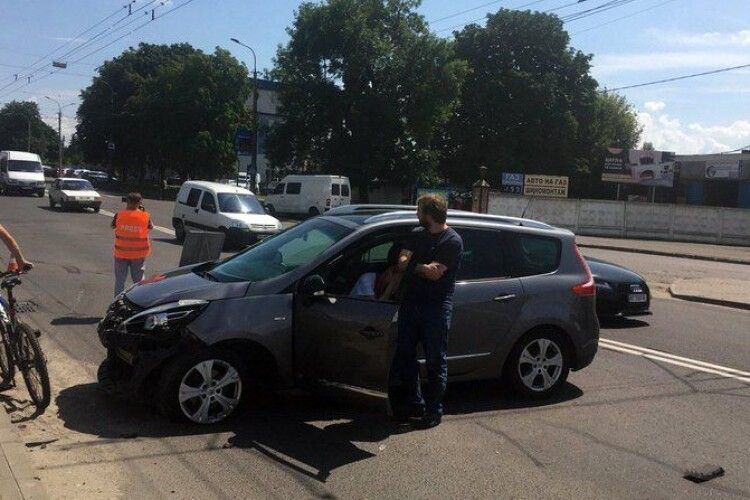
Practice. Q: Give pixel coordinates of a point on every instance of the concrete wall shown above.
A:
(631, 219)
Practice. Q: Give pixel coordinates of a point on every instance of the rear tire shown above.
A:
(313, 212)
(538, 365)
(33, 366)
(190, 387)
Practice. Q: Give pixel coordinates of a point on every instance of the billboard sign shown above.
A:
(554, 186)
(635, 166)
(725, 169)
(511, 183)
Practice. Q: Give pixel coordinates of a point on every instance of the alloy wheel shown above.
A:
(210, 391)
(540, 364)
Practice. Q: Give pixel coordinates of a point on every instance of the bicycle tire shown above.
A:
(7, 366)
(31, 359)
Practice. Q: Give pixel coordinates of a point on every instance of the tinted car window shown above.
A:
(24, 166)
(293, 188)
(75, 185)
(345, 190)
(231, 203)
(193, 197)
(335, 189)
(483, 255)
(208, 203)
(279, 189)
(531, 254)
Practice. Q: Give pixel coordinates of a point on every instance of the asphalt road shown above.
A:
(627, 426)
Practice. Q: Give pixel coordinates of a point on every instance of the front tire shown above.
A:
(538, 365)
(179, 231)
(7, 368)
(33, 366)
(313, 212)
(204, 388)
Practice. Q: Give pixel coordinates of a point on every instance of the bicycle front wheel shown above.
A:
(7, 368)
(33, 366)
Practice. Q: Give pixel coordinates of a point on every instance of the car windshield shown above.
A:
(281, 253)
(231, 203)
(24, 166)
(76, 186)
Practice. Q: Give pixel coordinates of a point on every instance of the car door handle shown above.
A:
(505, 297)
(370, 333)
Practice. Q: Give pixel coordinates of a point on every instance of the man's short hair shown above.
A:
(435, 206)
(134, 198)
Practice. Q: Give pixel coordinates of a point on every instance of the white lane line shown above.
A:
(161, 229)
(677, 358)
(693, 364)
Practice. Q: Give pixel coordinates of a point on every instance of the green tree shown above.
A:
(528, 102)
(17, 120)
(165, 107)
(365, 88)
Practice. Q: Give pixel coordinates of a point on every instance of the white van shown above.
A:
(21, 172)
(219, 207)
(309, 194)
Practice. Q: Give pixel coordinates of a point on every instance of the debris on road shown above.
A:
(704, 473)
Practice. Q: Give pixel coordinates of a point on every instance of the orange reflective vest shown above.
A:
(131, 235)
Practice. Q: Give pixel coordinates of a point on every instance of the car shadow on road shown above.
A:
(171, 240)
(75, 320)
(309, 433)
(622, 323)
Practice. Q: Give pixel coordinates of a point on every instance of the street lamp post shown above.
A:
(255, 107)
(59, 133)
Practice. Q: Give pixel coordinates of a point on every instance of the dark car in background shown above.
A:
(287, 312)
(619, 291)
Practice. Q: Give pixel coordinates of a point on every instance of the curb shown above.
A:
(709, 300)
(710, 258)
(17, 476)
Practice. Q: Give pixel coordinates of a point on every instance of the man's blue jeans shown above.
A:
(425, 324)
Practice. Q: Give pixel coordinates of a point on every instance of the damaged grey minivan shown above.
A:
(282, 313)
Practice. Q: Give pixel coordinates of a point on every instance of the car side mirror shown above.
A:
(313, 286)
(266, 209)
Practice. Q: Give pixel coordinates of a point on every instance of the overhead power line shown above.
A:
(597, 26)
(100, 48)
(460, 25)
(683, 77)
(456, 14)
(612, 4)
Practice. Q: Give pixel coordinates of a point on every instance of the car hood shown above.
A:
(610, 272)
(264, 219)
(78, 194)
(182, 284)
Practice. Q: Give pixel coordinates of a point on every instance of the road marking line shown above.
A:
(161, 229)
(676, 360)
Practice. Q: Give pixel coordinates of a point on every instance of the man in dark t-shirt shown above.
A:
(430, 262)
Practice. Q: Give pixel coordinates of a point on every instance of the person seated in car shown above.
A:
(383, 285)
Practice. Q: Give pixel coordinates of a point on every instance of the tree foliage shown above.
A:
(15, 118)
(365, 90)
(166, 107)
(529, 103)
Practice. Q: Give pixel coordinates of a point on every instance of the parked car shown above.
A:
(282, 314)
(22, 173)
(219, 207)
(619, 291)
(70, 193)
(49, 172)
(96, 177)
(309, 194)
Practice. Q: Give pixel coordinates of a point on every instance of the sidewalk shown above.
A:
(16, 473)
(724, 292)
(700, 251)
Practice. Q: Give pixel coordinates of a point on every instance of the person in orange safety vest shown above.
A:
(132, 245)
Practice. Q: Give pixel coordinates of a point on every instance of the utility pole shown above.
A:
(59, 133)
(255, 109)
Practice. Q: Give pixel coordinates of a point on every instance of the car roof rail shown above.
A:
(382, 212)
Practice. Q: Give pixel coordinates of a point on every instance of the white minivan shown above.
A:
(21, 172)
(219, 207)
(309, 194)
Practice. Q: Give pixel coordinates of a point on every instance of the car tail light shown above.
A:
(328, 202)
(588, 287)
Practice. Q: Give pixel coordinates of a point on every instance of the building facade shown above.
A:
(268, 116)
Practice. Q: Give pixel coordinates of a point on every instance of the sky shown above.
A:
(637, 41)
